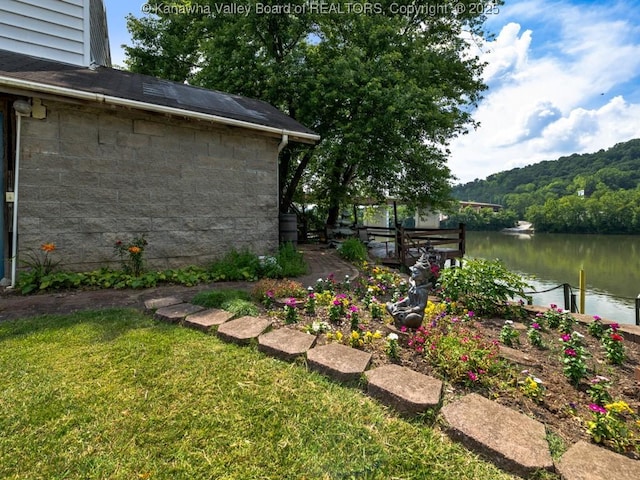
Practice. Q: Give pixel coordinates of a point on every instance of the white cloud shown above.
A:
(554, 87)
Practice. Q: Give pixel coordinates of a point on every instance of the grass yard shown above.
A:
(116, 395)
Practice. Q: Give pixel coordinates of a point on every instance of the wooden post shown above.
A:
(567, 296)
(463, 238)
(638, 310)
(582, 290)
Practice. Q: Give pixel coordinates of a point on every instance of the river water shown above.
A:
(611, 265)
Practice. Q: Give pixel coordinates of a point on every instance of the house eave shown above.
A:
(42, 88)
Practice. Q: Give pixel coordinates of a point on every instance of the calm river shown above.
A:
(611, 265)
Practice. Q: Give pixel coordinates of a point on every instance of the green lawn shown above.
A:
(116, 395)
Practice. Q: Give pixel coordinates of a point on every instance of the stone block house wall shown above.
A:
(91, 175)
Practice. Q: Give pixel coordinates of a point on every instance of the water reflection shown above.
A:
(611, 265)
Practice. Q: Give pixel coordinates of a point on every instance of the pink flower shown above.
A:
(464, 358)
(353, 308)
(553, 306)
(596, 318)
(614, 326)
(535, 326)
(570, 352)
(597, 408)
(566, 337)
(472, 376)
(471, 313)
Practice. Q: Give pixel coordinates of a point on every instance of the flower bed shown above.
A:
(578, 380)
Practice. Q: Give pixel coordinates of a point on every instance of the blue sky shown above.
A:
(563, 77)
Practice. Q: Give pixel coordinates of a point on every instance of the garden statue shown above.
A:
(409, 312)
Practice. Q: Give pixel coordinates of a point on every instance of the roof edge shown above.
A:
(302, 137)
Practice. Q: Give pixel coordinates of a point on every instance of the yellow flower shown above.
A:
(48, 247)
(134, 249)
(339, 336)
(618, 407)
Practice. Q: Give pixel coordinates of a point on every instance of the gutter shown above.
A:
(123, 102)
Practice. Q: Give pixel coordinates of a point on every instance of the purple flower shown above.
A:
(597, 408)
(566, 337)
(353, 308)
(471, 313)
(614, 326)
(535, 326)
(570, 352)
(596, 318)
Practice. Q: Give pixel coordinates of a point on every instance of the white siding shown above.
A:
(52, 29)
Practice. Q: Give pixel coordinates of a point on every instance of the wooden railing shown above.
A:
(408, 243)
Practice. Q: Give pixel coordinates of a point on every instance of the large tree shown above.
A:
(386, 84)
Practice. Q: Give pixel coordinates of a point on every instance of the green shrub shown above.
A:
(218, 298)
(484, 286)
(353, 250)
(240, 307)
(291, 261)
(236, 266)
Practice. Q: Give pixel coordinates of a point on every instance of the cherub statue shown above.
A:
(409, 312)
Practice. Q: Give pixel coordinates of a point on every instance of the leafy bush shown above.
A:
(484, 286)
(218, 298)
(353, 250)
(240, 307)
(291, 261)
(236, 266)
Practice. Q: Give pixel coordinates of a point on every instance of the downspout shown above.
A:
(283, 143)
(23, 109)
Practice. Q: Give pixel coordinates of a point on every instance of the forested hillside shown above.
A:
(617, 167)
(589, 193)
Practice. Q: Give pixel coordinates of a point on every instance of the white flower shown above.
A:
(392, 337)
(508, 322)
(537, 380)
(578, 335)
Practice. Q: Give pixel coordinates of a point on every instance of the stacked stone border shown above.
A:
(509, 439)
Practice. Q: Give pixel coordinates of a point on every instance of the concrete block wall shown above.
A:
(91, 176)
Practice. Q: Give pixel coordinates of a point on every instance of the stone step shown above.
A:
(155, 303)
(207, 319)
(286, 343)
(176, 313)
(406, 390)
(584, 461)
(511, 440)
(243, 330)
(342, 363)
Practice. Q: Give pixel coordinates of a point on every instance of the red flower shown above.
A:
(616, 337)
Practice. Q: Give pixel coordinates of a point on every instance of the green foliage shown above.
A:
(353, 250)
(484, 219)
(131, 255)
(484, 286)
(235, 301)
(236, 266)
(240, 308)
(404, 82)
(546, 193)
(290, 263)
(218, 298)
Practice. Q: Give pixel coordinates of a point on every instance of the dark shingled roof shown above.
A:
(147, 89)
